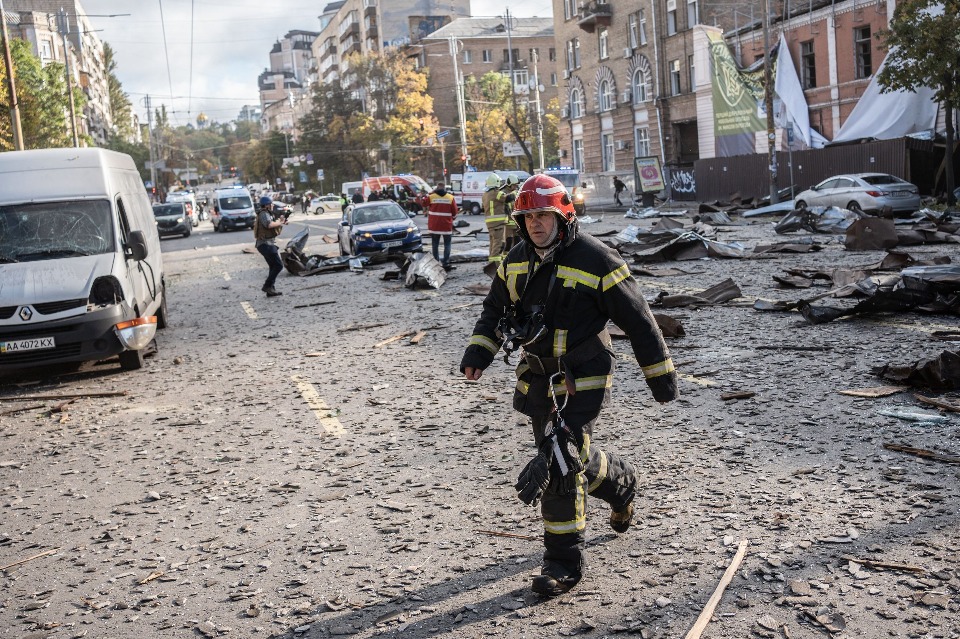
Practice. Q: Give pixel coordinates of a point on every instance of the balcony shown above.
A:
(372, 31)
(595, 13)
(349, 29)
(350, 46)
(369, 7)
(327, 52)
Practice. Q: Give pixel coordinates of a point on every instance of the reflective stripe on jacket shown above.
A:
(441, 213)
(593, 285)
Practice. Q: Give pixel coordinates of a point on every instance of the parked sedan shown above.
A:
(172, 219)
(376, 226)
(861, 192)
(325, 204)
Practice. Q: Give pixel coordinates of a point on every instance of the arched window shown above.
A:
(641, 86)
(607, 98)
(576, 104)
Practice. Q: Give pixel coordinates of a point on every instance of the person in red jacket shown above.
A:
(440, 215)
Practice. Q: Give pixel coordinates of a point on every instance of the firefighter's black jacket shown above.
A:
(592, 285)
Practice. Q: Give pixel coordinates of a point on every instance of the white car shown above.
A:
(325, 204)
(861, 192)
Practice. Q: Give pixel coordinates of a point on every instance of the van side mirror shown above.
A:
(137, 246)
(583, 185)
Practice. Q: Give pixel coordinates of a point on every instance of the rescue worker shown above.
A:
(441, 212)
(510, 187)
(552, 297)
(495, 216)
(266, 229)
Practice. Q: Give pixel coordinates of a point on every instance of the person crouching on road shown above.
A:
(551, 299)
(265, 230)
(440, 215)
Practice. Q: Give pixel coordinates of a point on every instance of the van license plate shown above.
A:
(392, 243)
(32, 344)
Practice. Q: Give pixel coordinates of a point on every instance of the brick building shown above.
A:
(635, 76)
(483, 48)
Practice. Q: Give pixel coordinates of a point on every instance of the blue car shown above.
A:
(379, 226)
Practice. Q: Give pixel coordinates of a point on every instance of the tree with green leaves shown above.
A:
(44, 104)
(121, 110)
(925, 52)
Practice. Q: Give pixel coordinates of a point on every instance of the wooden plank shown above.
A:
(395, 338)
(707, 612)
(416, 339)
(875, 391)
(939, 403)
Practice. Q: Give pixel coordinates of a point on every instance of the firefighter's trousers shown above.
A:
(605, 476)
(497, 240)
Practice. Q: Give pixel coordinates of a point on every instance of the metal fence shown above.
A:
(916, 161)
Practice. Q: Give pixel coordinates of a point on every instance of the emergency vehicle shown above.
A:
(467, 188)
(576, 186)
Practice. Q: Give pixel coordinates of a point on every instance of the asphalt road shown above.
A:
(296, 466)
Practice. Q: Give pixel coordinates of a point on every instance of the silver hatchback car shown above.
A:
(862, 192)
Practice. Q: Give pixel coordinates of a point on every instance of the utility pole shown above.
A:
(11, 86)
(768, 103)
(536, 88)
(63, 26)
(153, 162)
(513, 88)
(458, 81)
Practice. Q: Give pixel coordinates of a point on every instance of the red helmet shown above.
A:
(542, 192)
(545, 193)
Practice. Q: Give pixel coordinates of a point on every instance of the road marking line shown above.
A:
(226, 276)
(252, 314)
(325, 415)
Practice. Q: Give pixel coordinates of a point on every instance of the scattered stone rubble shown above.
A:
(210, 494)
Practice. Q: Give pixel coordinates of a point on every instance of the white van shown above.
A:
(81, 276)
(233, 208)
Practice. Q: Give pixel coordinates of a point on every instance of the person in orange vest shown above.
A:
(440, 215)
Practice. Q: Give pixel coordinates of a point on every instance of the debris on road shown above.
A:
(941, 373)
(717, 294)
(421, 269)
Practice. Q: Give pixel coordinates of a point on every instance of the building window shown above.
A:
(633, 30)
(693, 13)
(569, 9)
(808, 65)
(521, 81)
(674, 77)
(643, 26)
(576, 53)
(46, 50)
(671, 17)
(576, 104)
(553, 79)
(506, 55)
(863, 49)
(641, 141)
(602, 43)
(488, 55)
(607, 101)
(467, 56)
(606, 151)
(641, 86)
(552, 54)
(692, 70)
(570, 65)
(578, 154)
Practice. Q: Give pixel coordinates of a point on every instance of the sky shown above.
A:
(228, 41)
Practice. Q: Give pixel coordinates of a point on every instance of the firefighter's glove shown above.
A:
(560, 483)
(535, 476)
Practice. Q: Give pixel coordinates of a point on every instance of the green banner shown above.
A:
(736, 93)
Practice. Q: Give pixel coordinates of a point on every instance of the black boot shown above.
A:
(554, 579)
(620, 519)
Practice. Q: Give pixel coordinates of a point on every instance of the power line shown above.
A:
(166, 52)
(190, 87)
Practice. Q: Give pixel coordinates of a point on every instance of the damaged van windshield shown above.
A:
(51, 230)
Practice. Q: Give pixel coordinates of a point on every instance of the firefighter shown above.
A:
(496, 217)
(509, 189)
(551, 299)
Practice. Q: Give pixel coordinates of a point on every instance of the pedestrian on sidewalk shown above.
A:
(266, 228)
(551, 299)
(440, 216)
(618, 187)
